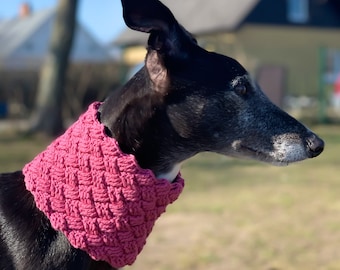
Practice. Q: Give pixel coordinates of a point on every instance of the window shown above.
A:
(298, 11)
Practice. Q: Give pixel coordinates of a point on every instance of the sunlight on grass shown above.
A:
(16, 150)
(236, 215)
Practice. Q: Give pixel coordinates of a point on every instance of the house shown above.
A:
(25, 39)
(25, 42)
(289, 45)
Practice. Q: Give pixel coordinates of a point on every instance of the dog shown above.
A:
(185, 100)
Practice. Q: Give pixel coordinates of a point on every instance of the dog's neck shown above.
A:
(138, 119)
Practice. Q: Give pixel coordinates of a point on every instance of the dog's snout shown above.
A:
(315, 145)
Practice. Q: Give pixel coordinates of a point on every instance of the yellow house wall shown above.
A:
(134, 55)
(295, 49)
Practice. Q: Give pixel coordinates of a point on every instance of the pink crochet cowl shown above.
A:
(95, 194)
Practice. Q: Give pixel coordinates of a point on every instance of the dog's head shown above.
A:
(201, 101)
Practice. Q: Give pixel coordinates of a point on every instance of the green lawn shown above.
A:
(236, 215)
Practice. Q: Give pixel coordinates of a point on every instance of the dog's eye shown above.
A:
(241, 89)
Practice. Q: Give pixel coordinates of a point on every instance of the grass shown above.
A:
(16, 150)
(239, 214)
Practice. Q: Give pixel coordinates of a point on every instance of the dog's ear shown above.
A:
(147, 15)
(151, 16)
(168, 40)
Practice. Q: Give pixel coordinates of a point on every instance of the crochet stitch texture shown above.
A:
(97, 195)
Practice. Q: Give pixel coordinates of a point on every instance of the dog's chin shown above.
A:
(277, 157)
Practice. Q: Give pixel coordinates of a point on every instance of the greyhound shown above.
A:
(185, 100)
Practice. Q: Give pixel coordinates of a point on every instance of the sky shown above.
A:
(103, 18)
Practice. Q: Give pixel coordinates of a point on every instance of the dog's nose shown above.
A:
(314, 146)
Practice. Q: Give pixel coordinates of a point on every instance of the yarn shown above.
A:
(95, 194)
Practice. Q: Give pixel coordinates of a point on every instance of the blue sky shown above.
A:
(103, 18)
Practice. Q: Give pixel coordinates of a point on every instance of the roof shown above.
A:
(199, 17)
(15, 31)
(18, 33)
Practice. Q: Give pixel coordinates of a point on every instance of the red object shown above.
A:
(97, 195)
(337, 85)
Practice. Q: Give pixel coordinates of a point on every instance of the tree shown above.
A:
(47, 114)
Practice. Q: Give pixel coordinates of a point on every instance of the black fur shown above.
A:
(27, 240)
(185, 100)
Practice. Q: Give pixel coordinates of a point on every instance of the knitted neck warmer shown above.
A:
(95, 194)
